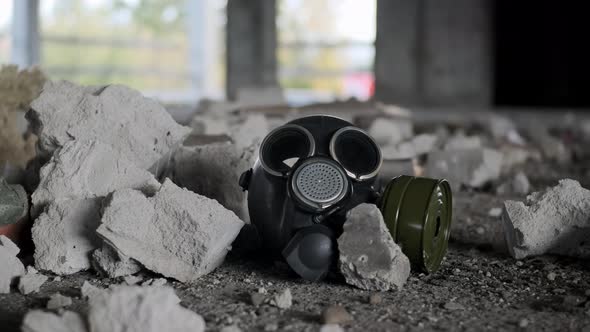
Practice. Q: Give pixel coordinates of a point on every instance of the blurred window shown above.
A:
(326, 48)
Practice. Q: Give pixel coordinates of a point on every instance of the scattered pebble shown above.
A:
(57, 301)
(271, 327)
(495, 212)
(523, 323)
(257, 299)
(519, 263)
(331, 328)
(375, 298)
(283, 300)
(336, 314)
(551, 276)
(454, 306)
(230, 328)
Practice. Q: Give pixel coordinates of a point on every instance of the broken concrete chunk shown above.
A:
(31, 282)
(40, 321)
(109, 263)
(391, 131)
(418, 145)
(369, 259)
(551, 147)
(135, 126)
(11, 266)
(89, 291)
(141, 309)
(64, 235)
(519, 184)
(461, 142)
(14, 203)
(57, 301)
(283, 300)
(132, 280)
(249, 132)
(88, 169)
(472, 168)
(176, 233)
(213, 170)
(555, 221)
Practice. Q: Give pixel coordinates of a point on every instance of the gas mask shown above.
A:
(311, 171)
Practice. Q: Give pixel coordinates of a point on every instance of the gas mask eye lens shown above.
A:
(357, 152)
(283, 147)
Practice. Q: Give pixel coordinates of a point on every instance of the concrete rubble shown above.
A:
(387, 131)
(141, 309)
(40, 321)
(135, 126)
(57, 301)
(460, 141)
(554, 221)
(14, 203)
(12, 267)
(369, 258)
(176, 233)
(31, 282)
(470, 167)
(89, 291)
(283, 300)
(108, 262)
(518, 184)
(83, 169)
(412, 148)
(65, 235)
(336, 314)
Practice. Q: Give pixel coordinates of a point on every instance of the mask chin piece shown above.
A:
(311, 251)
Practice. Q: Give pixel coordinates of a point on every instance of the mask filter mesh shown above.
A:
(320, 182)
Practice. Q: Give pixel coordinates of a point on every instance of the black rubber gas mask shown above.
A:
(310, 172)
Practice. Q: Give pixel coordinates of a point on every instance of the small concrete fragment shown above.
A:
(31, 282)
(283, 300)
(461, 142)
(176, 233)
(387, 131)
(89, 291)
(135, 126)
(57, 301)
(40, 321)
(331, 328)
(141, 309)
(108, 262)
(64, 236)
(555, 221)
(369, 258)
(416, 146)
(11, 266)
(88, 169)
(519, 184)
(132, 280)
(14, 203)
(473, 168)
(336, 314)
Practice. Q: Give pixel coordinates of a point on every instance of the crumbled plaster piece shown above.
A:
(89, 291)
(369, 258)
(108, 262)
(176, 233)
(88, 169)
(40, 321)
(132, 280)
(57, 301)
(155, 282)
(31, 282)
(387, 131)
(504, 129)
(64, 235)
(283, 300)
(14, 203)
(416, 146)
(213, 170)
(141, 309)
(472, 168)
(135, 126)
(519, 184)
(11, 265)
(460, 141)
(555, 221)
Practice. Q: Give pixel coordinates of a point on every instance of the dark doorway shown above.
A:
(542, 56)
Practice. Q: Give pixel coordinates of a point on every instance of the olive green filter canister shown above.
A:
(418, 214)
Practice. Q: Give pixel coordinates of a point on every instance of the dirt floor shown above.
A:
(476, 289)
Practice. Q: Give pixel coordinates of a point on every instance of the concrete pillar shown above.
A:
(25, 33)
(432, 52)
(251, 44)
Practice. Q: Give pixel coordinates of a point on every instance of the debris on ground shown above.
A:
(176, 233)
(11, 266)
(518, 184)
(120, 117)
(391, 131)
(65, 235)
(375, 298)
(141, 309)
(108, 262)
(283, 300)
(89, 291)
(155, 282)
(40, 321)
(369, 258)
(31, 282)
(57, 301)
(472, 167)
(336, 314)
(460, 141)
(555, 221)
(14, 203)
(132, 280)
(412, 148)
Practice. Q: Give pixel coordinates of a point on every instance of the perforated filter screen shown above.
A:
(320, 182)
